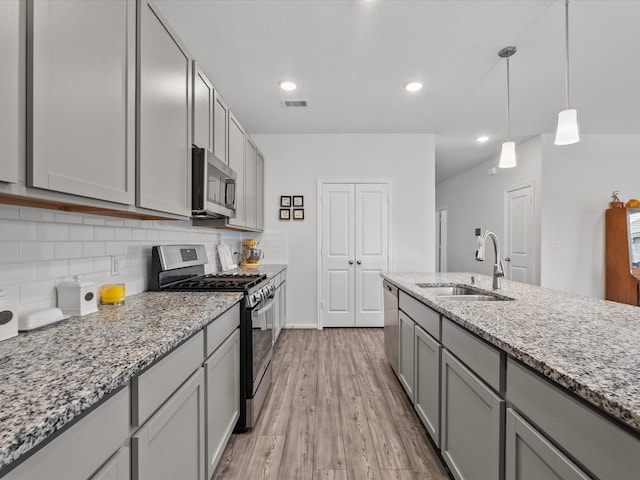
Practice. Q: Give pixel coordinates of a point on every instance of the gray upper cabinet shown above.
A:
(427, 382)
(164, 116)
(236, 162)
(81, 88)
(260, 192)
(203, 95)
(12, 45)
(220, 128)
(250, 172)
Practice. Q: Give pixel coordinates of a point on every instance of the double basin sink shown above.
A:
(462, 293)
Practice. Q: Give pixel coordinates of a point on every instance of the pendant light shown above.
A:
(508, 155)
(567, 132)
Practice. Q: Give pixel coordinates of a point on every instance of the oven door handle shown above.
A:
(264, 309)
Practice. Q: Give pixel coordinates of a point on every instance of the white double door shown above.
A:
(355, 242)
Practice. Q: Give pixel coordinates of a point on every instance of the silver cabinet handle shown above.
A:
(507, 259)
(350, 262)
(359, 262)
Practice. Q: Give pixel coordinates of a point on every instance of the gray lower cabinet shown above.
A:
(81, 93)
(471, 424)
(222, 370)
(12, 79)
(117, 468)
(530, 456)
(406, 364)
(427, 382)
(170, 444)
(164, 115)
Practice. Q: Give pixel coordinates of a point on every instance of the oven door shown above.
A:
(262, 317)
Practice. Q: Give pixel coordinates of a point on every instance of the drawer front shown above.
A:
(151, 388)
(223, 326)
(482, 358)
(598, 444)
(427, 318)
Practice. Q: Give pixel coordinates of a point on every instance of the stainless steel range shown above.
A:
(181, 268)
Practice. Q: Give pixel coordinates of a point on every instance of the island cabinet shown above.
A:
(406, 354)
(164, 115)
(548, 430)
(81, 98)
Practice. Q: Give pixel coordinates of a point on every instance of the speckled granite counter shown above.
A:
(587, 345)
(51, 376)
(269, 270)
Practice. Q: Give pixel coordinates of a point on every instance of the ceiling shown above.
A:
(352, 58)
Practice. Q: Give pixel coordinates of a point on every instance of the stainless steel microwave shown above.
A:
(214, 186)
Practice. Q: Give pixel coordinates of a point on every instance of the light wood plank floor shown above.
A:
(335, 412)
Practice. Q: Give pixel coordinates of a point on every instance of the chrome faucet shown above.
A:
(498, 267)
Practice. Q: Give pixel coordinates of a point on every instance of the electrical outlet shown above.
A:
(116, 266)
(554, 244)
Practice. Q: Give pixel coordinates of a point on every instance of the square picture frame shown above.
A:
(285, 214)
(285, 200)
(298, 200)
(298, 213)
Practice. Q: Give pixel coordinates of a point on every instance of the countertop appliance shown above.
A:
(181, 268)
(391, 324)
(213, 193)
(251, 255)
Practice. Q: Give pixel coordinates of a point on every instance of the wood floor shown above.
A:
(335, 412)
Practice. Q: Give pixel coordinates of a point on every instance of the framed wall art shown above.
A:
(298, 201)
(285, 214)
(298, 213)
(285, 200)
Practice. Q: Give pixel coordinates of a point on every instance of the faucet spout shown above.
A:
(498, 267)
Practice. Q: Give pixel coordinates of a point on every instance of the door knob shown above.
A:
(507, 259)
(350, 262)
(359, 262)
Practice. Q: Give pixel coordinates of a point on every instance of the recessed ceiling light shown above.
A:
(288, 86)
(482, 139)
(413, 86)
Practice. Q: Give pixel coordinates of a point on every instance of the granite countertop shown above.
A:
(51, 376)
(587, 345)
(270, 270)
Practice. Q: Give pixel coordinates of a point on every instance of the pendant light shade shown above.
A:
(567, 132)
(508, 154)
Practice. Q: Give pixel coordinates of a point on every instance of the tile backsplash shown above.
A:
(39, 249)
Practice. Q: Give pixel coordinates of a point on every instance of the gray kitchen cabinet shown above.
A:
(220, 128)
(471, 423)
(250, 186)
(12, 81)
(280, 305)
(170, 444)
(164, 115)
(117, 468)
(427, 382)
(406, 365)
(81, 91)
(222, 370)
(260, 191)
(203, 97)
(530, 456)
(236, 162)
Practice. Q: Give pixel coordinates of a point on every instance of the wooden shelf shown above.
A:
(621, 281)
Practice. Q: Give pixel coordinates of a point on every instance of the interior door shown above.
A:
(519, 226)
(371, 252)
(338, 255)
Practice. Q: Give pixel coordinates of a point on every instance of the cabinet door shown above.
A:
(117, 468)
(203, 94)
(405, 368)
(427, 384)
(250, 186)
(471, 423)
(530, 456)
(81, 92)
(236, 162)
(260, 191)
(12, 48)
(170, 444)
(223, 397)
(220, 128)
(164, 126)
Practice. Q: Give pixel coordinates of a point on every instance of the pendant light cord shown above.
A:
(508, 104)
(566, 30)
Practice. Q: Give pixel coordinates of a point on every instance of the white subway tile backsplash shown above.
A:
(17, 273)
(68, 250)
(64, 217)
(17, 230)
(102, 264)
(9, 252)
(123, 234)
(93, 249)
(81, 266)
(55, 269)
(93, 220)
(34, 251)
(114, 222)
(36, 214)
(80, 232)
(115, 248)
(53, 231)
(9, 213)
(104, 233)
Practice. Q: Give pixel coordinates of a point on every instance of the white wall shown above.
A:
(475, 199)
(39, 249)
(294, 163)
(577, 184)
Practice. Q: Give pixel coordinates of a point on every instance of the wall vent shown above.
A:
(294, 103)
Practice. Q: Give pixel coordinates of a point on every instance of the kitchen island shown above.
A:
(586, 349)
(54, 376)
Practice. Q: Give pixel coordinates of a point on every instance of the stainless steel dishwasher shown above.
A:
(391, 327)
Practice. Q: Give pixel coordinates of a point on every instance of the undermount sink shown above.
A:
(461, 293)
(472, 298)
(449, 290)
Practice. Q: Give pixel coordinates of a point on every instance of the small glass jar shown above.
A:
(112, 294)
